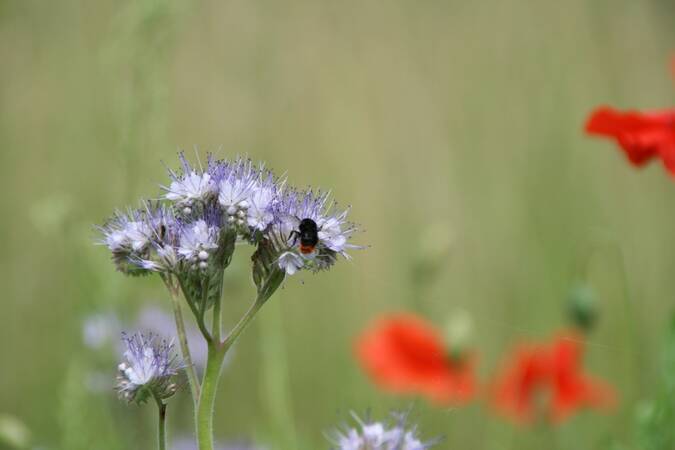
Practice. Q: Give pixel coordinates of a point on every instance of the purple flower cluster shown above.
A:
(371, 435)
(148, 368)
(205, 211)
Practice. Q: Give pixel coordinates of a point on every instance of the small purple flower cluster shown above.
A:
(148, 369)
(205, 211)
(371, 435)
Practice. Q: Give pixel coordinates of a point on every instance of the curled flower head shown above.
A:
(128, 236)
(404, 354)
(190, 186)
(553, 372)
(142, 240)
(148, 368)
(308, 232)
(370, 435)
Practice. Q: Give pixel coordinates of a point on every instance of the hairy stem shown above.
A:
(199, 317)
(193, 381)
(214, 363)
(216, 321)
(242, 324)
(161, 427)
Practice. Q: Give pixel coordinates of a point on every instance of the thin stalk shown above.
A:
(199, 318)
(161, 427)
(214, 362)
(275, 377)
(242, 324)
(205, 297)
(632, 315)
(193, 381)
(216, 321)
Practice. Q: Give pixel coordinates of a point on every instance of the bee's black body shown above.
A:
(308, 232)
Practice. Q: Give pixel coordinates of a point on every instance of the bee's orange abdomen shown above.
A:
(304, 249)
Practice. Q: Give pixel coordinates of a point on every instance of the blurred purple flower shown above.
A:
(187, 443)
(156, 319)
(100, 330)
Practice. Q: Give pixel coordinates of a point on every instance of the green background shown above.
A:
(453, 128)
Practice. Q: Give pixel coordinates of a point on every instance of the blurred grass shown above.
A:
(415, 113)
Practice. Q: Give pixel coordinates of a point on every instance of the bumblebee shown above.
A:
(308, 234)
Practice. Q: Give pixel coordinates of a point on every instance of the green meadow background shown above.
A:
(453, 128)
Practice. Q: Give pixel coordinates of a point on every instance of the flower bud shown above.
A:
(582, 306)
(457, 332)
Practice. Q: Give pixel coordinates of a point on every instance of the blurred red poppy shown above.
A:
(548, 379)
(404, 354)
(642, 136)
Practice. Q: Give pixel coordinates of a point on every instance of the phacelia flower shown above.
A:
(548, 380)
(371, 435)
(237, 184)
(128, 237)
(643, 136)
(148, 368)
(190, 186)
(404, 354)
(196, 241)
(326, 238)
(262, 200)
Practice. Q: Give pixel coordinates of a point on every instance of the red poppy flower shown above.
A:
(642, 136)
(404, 354)
(549, 379)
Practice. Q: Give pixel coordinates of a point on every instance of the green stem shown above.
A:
(161, 428)
(634, 332)
(199, 318)
(216, 355)
(216, 321)
(275, 377)
(193, 381)
(214, 363)
(243, 323)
